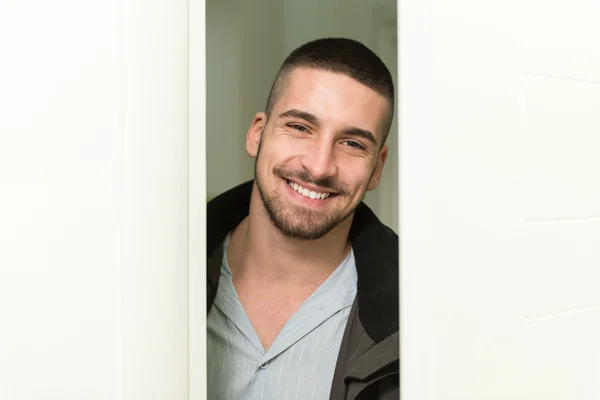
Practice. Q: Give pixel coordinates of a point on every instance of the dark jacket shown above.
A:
(368, 363)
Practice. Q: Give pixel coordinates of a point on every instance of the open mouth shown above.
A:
(311, 194)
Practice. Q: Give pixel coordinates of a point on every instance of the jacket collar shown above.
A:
(375, 249)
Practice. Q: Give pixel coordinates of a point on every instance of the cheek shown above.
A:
(356, 180)
(360, 181)
(270, 157)
(280, 151)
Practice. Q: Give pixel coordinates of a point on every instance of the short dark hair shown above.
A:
(340, 55)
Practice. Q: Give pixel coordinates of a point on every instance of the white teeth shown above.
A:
(307, 193)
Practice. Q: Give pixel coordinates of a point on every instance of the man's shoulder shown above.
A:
(367, 227)
(376, 250)
(237, 195)
(225, 212)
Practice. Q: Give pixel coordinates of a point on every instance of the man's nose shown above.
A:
(319, 160)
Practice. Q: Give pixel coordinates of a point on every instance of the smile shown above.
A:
(307, 193)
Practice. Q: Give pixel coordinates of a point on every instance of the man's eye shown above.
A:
(354, 144)
(297, 127)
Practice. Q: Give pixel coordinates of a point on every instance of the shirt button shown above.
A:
(264, 365)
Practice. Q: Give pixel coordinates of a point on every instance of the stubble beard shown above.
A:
(295, 221)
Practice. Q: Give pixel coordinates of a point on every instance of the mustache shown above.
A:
(304, 176)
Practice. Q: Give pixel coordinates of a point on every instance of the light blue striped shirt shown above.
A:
(301, 361)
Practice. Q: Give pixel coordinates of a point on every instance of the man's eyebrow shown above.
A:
(294, 113)
(313, 119)
(352, 131)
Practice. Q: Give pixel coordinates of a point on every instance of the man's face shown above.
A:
(319, 152)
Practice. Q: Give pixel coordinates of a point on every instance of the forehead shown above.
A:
(334, 98)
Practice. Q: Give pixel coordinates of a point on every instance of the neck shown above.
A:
(258, 250)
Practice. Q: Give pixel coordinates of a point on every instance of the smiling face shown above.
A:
(319, 152)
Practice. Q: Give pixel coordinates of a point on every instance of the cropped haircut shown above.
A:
(338, 55)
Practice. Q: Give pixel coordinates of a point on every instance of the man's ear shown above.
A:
(376, 176)
(254, 133)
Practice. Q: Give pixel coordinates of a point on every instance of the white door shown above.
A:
(500, 212)
(94, 200)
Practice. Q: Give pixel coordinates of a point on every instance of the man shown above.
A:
(302, 276)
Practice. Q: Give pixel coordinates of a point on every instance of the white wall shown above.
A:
(60, 277)
(154, 224)
(93, 205)
(500, 211)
